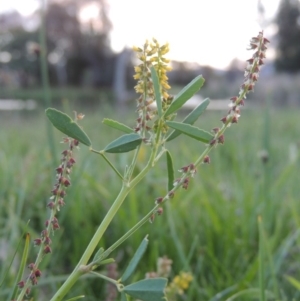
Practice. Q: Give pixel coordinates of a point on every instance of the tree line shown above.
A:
(83, 56)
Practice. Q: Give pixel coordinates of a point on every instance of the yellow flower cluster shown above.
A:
(152, 54)
(179, 284)
(183, 280)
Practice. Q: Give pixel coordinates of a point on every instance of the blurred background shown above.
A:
(89, 46)
(76, 55)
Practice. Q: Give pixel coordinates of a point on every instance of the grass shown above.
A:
(210, 230)
(79, 95)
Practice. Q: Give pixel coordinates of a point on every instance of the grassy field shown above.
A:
(210, 230)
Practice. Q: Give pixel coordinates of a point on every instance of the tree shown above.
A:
(76, 44)
(288, 49)
(24, 65)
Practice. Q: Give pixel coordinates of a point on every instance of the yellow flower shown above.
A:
(137, 69)
(165, 85)
(137, 76)
(182, 281)
(165, 60)
(137, 49)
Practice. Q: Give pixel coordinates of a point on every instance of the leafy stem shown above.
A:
(102, 228)
(151, 129)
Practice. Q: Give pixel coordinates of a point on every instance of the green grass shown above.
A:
(210, 230)
(59, 94)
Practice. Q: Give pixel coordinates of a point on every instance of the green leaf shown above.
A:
(135, 259)
(117, 125)
(156, 91)
(76, 298)
(293, 281)
(123, 297)
(185, 94)
(261, 258)
(124, 144)
(191, 118)
(98, 255)
(106, 261)
(148, 289)
(191, 131)
(66, 125)
(22, 266)
(250, 293)
(170, 170)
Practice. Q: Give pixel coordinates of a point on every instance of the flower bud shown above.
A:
(221, 139)
(65, 182)
(31, 266)
(151, 219)
(206, 160)
(47, 249)
(47, 240)
(184, 169)
(160, 211)
(59, 169)
(37, 241)
(33, 279)
(65, 153)
(55, 226)
(171, 194)
(62, 193)
(44, 233)
(224, 119)
(27, 291)
(234, 119)
(185, 183)
(71, 162)
(51, 205)
(38, 273)
(21, 284)
(61, 202)
(213, 142)
(54, 191)
(159, 200)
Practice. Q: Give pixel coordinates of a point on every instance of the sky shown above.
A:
(209, 32)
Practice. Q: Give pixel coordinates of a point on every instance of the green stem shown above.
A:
(133, 163)
(105, 278)
(149, 214)
(127, 234)
(78, 271)
(81, 267)
(108, 162)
